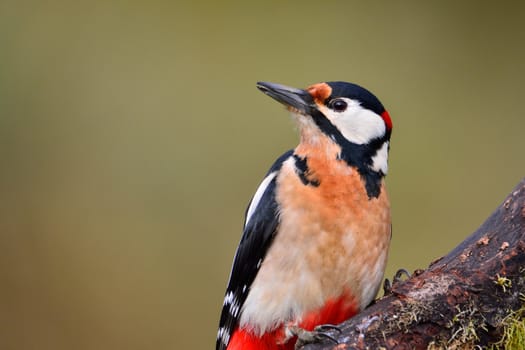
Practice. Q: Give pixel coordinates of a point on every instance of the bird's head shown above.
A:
(347, 114)
(336, 107)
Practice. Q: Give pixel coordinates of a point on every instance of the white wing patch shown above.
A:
(258, 195)
(231, 300)
(228, 299)
(223, 335)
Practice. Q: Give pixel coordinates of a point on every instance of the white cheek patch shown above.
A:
(380, 160)
(258, 195)
(357, 124)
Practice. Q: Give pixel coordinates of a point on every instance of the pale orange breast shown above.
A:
(343, 234)
(332, 241)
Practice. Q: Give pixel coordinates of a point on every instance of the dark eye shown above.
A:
(338, 105)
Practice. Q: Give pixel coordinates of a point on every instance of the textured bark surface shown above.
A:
(459, 301)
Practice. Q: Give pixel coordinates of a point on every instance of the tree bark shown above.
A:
(459, 301)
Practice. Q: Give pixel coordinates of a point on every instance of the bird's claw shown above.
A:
(398, 277)
(320, 332)
(328, 327)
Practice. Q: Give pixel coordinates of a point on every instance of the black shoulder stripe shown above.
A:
(257, 238)
(301, 167)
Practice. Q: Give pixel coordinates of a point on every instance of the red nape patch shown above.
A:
(320, 92)
(387, 119)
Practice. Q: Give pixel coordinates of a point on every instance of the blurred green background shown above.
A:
(132, 137)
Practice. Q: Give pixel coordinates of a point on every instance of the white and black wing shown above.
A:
(260, 227)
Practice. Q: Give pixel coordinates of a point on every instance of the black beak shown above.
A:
(288, 96)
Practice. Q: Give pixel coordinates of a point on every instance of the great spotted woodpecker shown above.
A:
(317, 230)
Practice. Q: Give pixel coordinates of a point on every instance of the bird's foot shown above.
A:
(321, 332)
(398, 277)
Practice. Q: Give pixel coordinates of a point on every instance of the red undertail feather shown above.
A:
(333, 312)
(244, 340)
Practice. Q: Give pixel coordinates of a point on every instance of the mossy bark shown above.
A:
(460, 301)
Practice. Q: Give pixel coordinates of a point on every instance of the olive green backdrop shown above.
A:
(132, 137)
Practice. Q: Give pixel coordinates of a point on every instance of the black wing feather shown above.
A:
(256, 240)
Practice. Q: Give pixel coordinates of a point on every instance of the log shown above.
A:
(459, 301)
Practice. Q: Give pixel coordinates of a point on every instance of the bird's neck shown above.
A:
(370, 160)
